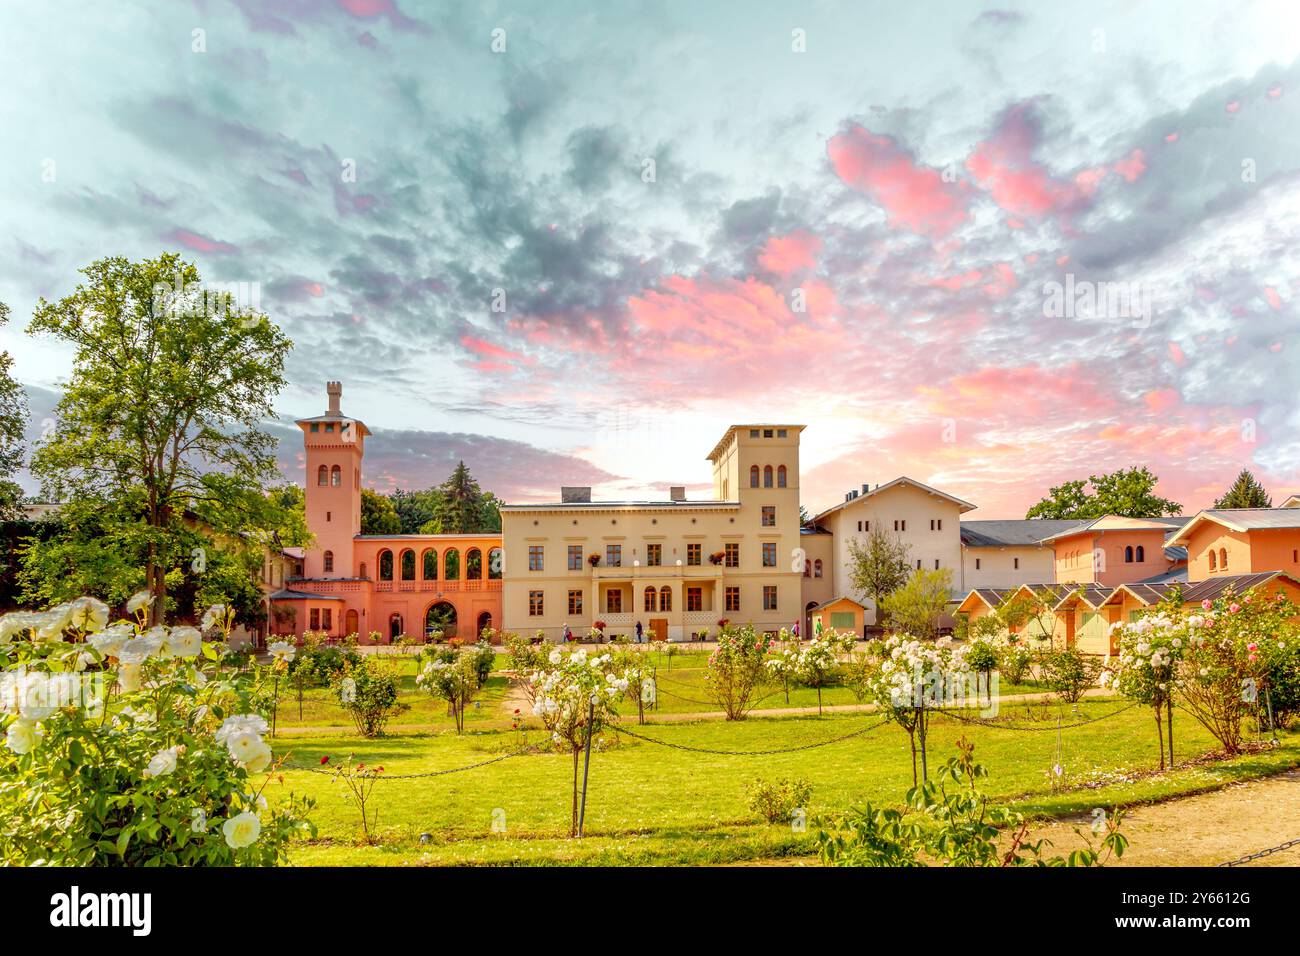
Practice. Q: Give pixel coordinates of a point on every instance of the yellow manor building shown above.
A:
(677, 567)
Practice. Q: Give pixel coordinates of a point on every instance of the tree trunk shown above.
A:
(1161, 737)
(911, 734)
(819, 700)
(1169, 720)
(573, 815)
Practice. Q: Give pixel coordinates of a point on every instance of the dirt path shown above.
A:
(1207, 829)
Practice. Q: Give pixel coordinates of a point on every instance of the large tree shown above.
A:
(378, 516)
(13, 419)
(916, 607)
(1245, 492)
(878, 566)
(160, 419)
(1129, 492)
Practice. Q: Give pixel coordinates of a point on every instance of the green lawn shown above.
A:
(651, 804)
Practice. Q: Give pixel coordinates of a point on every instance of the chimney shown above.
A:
(574, 494)
(866, 489)
(677, 492)
(335, 391)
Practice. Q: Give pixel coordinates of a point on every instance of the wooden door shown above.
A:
(658, 628)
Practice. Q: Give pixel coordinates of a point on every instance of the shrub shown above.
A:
(456, 681)
(1014, 661)
(776, 800)
(981, 656)
(524, 656)
(368, 692)
(169, 778)
(736, 670)
(1070, 672)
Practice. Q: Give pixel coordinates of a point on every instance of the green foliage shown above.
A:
(777, 800)
(1069, 672)
(378, 516)
(13, 419)
(1014, 661)
(952, 822)
(736, 670)
(160, 422)
(916, 607)
(523, 655)
(1245, 492)
(368, 692)
(454, 676)
(982, 656)
(878, 567)
(1128, 492)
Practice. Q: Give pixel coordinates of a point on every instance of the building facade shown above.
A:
(677, 567)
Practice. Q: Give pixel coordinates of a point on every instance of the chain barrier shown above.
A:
(984, 722)
(331, 771)
(750, 753)
(1250, 857)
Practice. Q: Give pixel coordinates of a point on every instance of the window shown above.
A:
(575, 602)
(780, 476)
(336, 476)
(536, 557)
(866, 526)
(817, 568)
(329, 561)
(767, 476)
(695, 599)
(733, 599)
(694, 554)
(936, 524)
(1128, 554)
(767, 433)
(575, 557)
(900, 525)
(650, 599)
(613, 555)
(430, 562)
(918, 564)
(859, 526)
(385, 565)
(1141, 554)
(753, 433)
(654, 555)
(807, 568)
(936, 564)
(408, 565)
(474, 565)
(769, 554)
(1015, 563)
(614, 602)
(315, 619)
(315, 426)
(322, 475)
(665, 599)
(451, 565)
(977, 564)
(327, 619)
(1223, 559)
(732, 554)
(494, 564)
(329, 426)
(363, 569)
(781, 433)
(1213, 564)
(753, 476)
(769, 516)
(769, 597)
(536, 604)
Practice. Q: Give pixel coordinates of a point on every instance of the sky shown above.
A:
(990, 246)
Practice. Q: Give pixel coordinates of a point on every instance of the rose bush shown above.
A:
(168, 771)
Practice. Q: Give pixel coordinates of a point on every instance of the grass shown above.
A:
(652, 805)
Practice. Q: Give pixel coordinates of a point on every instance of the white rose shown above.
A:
(89, 614)
(15, 623)
(109, 641)
(240, 724)
(241, 831)
(139, 600)
(259, 759)
(21, 737)
(283, 651)
(244, 746)
(163, 762)
(128, 678)
(184, 642)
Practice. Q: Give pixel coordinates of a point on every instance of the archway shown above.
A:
(395, 629)
(805, 629)
(441, 616)
(484, 622)
(351, 625)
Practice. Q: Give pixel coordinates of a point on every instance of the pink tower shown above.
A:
(334, 445)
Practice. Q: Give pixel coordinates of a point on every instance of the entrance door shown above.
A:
(350, 627)
(658, 628)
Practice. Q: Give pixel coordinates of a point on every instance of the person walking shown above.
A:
(639, 633)
(568, 634)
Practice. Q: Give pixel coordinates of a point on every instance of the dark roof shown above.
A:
(1173, 575)
(1175, 552)
(1240, 584)
(813, 529)
(287, 595)
(1091, 594)
(1013, 532)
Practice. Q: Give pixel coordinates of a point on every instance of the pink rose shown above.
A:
(1206, 604)
(1234, 608)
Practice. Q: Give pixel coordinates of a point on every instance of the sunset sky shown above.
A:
(854, 211)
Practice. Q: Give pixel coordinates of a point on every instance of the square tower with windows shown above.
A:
(334, 446)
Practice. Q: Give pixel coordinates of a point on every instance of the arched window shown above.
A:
(807, 568)
(650, 599)
(1141, 554)
(451, 565)
(767, 476)
(665, 599)
(1223, 559)
(363, 569)
(780, 476)
(336, 476)
(817, 568)
(408, 565)
(494, 564)
(1128, 554)
(1214, 565)
(385, 565)
(395, 629)
(753, 476)
(474, 565)
(430, 565)
(322, 475)
(329, 561)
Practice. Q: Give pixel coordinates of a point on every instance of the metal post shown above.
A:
(586, 765)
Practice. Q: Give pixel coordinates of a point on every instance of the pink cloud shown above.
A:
(1161, 400)
(1003, 165)
(914, 196)
(785, 255)
(1274, 300)
(201, 243)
